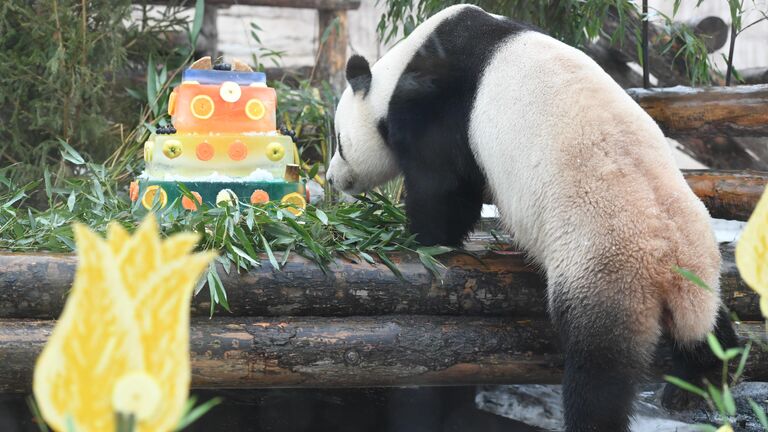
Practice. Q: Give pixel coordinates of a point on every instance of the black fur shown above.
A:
(359, 74)
(604, 360)
(697, 362)
(428, 121)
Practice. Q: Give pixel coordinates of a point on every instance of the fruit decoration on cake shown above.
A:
(223, 144)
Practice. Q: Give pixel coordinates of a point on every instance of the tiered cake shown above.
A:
(223, 144)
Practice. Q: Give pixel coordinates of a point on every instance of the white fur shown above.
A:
(586, 183)
(357, 117)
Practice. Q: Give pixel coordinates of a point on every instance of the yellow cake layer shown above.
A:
(233, 155)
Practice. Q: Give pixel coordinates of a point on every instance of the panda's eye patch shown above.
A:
(338, 142)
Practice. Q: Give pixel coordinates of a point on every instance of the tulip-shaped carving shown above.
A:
(752, 252)
(121, 344)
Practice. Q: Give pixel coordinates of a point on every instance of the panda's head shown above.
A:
(362, 160)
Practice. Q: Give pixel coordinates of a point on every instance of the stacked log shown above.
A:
(483, 321)
(721, 127)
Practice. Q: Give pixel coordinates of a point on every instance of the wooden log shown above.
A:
(712, 30)
(208, 41)
(35, 286)
(723, 152)
(353, 352)
(301, 4)
(709, 122)
(332, 39)
(707, 112)
(614, 57)
(668, 68)
(755, 75)
(728, 195)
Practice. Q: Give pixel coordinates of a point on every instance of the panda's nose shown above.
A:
(330, 180)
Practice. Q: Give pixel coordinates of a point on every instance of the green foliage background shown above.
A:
(59, 77)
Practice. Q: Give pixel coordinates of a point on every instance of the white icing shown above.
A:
(258, 175)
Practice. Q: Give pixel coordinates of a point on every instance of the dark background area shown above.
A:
(433, 409)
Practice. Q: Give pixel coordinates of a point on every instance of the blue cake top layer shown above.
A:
(207, 76)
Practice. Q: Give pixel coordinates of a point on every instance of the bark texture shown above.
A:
(352, 352)
(502, 284)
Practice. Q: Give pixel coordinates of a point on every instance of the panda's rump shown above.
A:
(585, 182)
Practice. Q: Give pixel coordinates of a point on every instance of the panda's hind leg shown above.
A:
(606, 356)
(695, 362)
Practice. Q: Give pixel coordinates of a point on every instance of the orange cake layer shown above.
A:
(226, 108)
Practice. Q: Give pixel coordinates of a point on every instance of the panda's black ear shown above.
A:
(359, 74)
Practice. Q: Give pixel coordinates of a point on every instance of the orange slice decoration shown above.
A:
(298, 203)
(237, 151)
(202, 107)
(189, 204)
(259, 197)
(255, 109)
(204, 151)
(133, 191)
(172, 103)
(149, 197)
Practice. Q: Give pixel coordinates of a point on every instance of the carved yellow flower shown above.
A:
(122, 341)
(752, 252)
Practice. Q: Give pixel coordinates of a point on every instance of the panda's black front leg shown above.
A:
(442, 215)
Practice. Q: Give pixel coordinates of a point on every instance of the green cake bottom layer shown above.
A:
(208, 190)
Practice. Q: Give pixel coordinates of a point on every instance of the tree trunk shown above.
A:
(332, 39)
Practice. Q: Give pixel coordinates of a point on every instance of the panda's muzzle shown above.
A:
(341, 176)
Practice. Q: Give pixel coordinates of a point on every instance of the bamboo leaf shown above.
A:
(71, 201)
(321, 216)
(759, 413)
(152, 85)
(728, 403)
(70, 154)
(197, 23)
(685, 385)
(717, 398)
(191, 414)
(693, 278)
(742, 361)
(270, 255)
(715, 346)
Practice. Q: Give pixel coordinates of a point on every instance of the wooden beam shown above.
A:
(302, 4)
(754, 75)
(332, 39)
(208, 40)
(713, 31)
(35, 286)
(668, 68)
(728, 195)
(707, 111)
(353, 352)
(708, 122)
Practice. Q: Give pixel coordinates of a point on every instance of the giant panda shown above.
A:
(472, 104)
